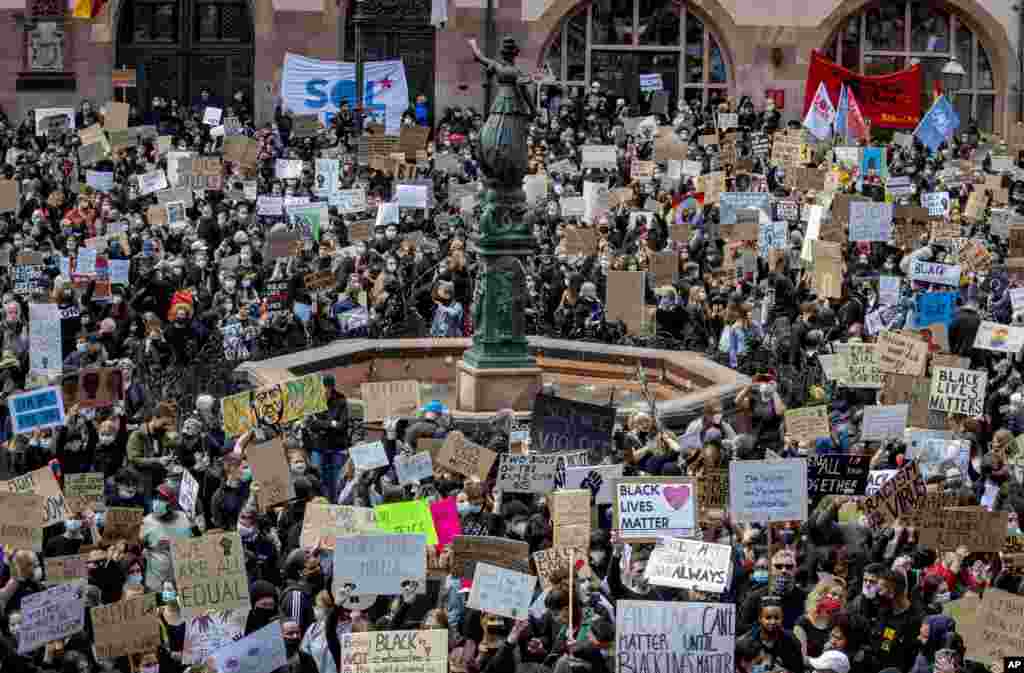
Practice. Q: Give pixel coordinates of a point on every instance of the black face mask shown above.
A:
(260, 617)
(291, 646)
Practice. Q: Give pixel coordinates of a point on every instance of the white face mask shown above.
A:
(299, 468)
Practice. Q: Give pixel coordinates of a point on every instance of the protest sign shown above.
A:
(270, 470)
(500, 591)
(64, 569)
(898, 496)
(808, 424)
(863, 366)
(462, 456)
(57, 612)
(934, 272)
(188, 493)
(995, 629)
(262, 651)
(958, 391)
(598, 479)
(570, 517)
(933, 451)
(934, 307)
(950, 528)
(889, 290)
(870, 221)
(126, 627)
(882, 422)
(379, 564)
(210, 573)
(275, 404)
(875, 480)
(390, 399)
(555, 562)
(36, 409)
(209, 632)
(41, 482)
(713, 489)
(322, 524)
(84, 490)
(369, 455)
(998, 337)
(624, 299)
(645, 507)
(45, 340)
(407, 517)
(558, 424)
(122, 523)
(423, 651)
(901, 354)
(600, 156)
(21, 520)
(836, 474)
(447, 525)
(690, 564)
(768, 490)
(531, 473)
(99, 387)
(468, 550)
(676, 636)
(414, 468)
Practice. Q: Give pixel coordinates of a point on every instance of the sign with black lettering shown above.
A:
(836, 474)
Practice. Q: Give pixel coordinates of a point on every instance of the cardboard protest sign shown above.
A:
(828, 269)
(713, 489)
(21, 520)
(875, 480)
(644, 508)
(994, 627)
(690, 564)
(323, 524)
(390, 399)
(556, 561)
(209, 632)
(680, 636)
(958, 391)
(396, 652)
(58, 612)
(882, 422)
(126, 627)
(807, 424)
(210, 573)
(598, 479)
(99, 387)
(64, 569)
(837, 474)
(531, 473)
(558, 424)
(897, 497)
(407, 517)
(624, 299)
(501, 591)
(84, 490)
(768, 490)
(462, 456)
(379, 564)
(901, 354)
(863, 366)
(950, 528)
(468, 550)
(41, 482)
(270, 470)
(910, 390)
(116, 115)
(123, 523)
(262, 651)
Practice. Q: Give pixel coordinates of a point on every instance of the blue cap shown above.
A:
(434, 407)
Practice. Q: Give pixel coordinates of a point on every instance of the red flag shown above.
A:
(856, 127)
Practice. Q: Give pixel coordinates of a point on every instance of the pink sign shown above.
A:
(446, 520)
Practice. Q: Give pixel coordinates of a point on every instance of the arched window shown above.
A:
(613, 42)
(892, 35)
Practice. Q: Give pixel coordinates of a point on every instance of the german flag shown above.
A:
(86, 9)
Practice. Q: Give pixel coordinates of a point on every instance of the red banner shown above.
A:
(889, 101)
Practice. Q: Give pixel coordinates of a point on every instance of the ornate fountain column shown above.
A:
(498, 371)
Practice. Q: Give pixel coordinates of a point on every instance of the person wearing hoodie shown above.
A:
(159, 528)
(263, 596)
(779, 649)
(964, 329)
(302, 583)
(932, 638)
(298, 661)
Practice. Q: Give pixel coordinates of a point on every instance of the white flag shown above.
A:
(821, 114)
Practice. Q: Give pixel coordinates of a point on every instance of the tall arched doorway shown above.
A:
(182, 46)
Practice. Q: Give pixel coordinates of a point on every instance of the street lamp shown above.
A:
(953, 74)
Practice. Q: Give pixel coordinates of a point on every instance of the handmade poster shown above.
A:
(84, 491)
(934, 272)
(99, 387)
(57, 612)
(884, 421)
(870, 221)
(555, 562)
(690, 564)
(369, 455)
(129, 626)
(45, 340)
(530, 473)
(21, 520)
(768, 490)
(958, 391)
(501, 591)
(209, 572)
(423, 651)
(323, 524)
(863, 366)
(598, 479)
(993, 629)
(674, 636)
(261, 651)
(901, 354)
(625, 299)
(188, 493)
(390, 399)
(807, 424)
(468, 550)
(836, 474)
(209, 632)
(974, 528)
(600, 156)
(41, 482)
(645, 508)
(446, 520)
(898, 496)
(379, 564)
(412, 469)
(889, 290)
(713, 490)
(875, 480)
(998, 337)
(407, 517)
(122, 523)
(558, 424)
(462, 456)
(274, 404)
(270, 469)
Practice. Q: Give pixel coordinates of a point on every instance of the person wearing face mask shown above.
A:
(866, 605)
(781, 584)
(159, 528)
(814, 628)
(470, 505)
(233, 495)
(26, 578)
(71, 541)
(151, 448)
(298, 661)
(894, 634)
(778, 649)
(314, 641)
(302, 583)
(263, 596)
(172, 623)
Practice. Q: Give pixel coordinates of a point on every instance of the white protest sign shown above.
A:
(412, 469)
(212, 115)
(648, 507)
(595, 201)
(261, 651)
(529, 473)
(53, 614)
(651, 82)
(690, 564)
(600, 156)
(937, 203)
(597, 478)
(45, 339)
(674, 636)
(369, 455)
(379, 564)
(152, 181)
(933, 272)
(884, 421)
(501, 591)
(994, 336)
(768, 490)
(1017, 298)
(411, 196)
(188, 493)
(870, 221)
(876, 478)
(958, 391)
(889, 290)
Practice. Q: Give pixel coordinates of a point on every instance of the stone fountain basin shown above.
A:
(588, 372)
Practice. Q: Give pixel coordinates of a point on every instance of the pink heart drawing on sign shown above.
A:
(676, 496)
